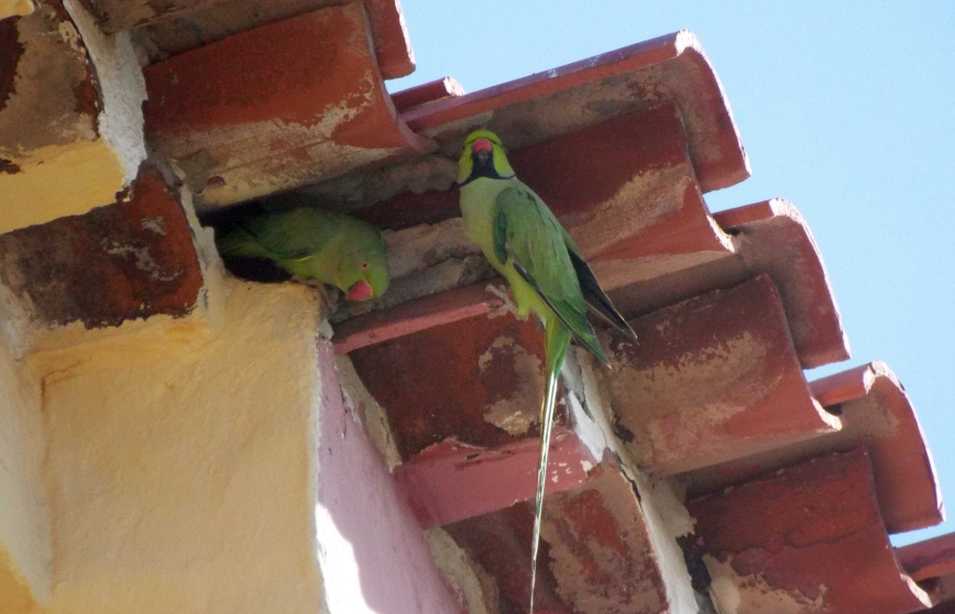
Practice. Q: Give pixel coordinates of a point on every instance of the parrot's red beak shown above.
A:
(360, 291)
(482, 145)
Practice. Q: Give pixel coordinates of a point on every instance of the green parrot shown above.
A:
(524, 242)
(309, 244)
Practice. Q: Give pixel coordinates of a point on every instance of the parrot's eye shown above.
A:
(364, 266)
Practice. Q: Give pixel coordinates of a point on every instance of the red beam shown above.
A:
(849, 385)
(445, 87)
(414, 317)
(451, 481)
(479, 382)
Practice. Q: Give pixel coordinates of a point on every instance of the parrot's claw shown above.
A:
(506, 307)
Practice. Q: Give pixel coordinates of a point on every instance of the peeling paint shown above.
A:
(143, 259)
(751, 594)
(714, 378)
(155, 224)
(9, 167)
(106, 267)
(517, 410)
(476, 589)
(61, 121)
(325, 113)
(118, 91)
(375, 420)
(599, 549)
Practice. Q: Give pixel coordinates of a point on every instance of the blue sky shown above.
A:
(847, 109)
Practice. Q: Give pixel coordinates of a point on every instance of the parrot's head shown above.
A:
(483, 156)
(363, 270)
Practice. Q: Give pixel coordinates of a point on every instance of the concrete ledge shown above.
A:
(372, 551)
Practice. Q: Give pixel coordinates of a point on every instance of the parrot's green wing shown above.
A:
(527, 233)
(293, 234)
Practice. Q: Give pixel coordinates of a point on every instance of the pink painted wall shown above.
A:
(373, 553)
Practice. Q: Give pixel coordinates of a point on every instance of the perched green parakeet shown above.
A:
(524, 242)
(311, 244)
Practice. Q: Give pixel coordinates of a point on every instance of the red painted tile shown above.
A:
(772, 237)
(500, 544)
(392, 44)
(932, 558)
(171, 27)
(669, 68)
(876, 410)
(814, 533)
(712, 379)
(324, 111)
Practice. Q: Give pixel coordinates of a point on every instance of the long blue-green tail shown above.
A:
(558, 338)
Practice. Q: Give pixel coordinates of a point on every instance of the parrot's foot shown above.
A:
(506, 307)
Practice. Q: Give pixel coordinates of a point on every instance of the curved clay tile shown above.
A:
(276, 107)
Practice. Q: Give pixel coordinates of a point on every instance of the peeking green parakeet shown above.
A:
(311, 244)
(524, 242)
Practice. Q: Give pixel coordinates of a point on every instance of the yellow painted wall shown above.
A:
(24, 527)
(9, 8)
(60, 180)
(185, 481)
